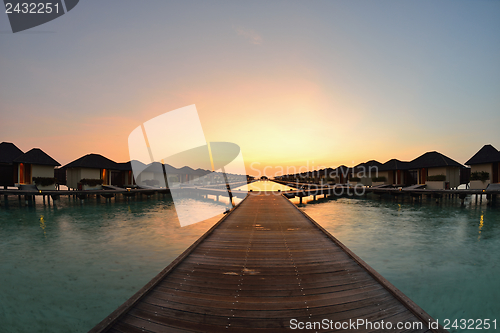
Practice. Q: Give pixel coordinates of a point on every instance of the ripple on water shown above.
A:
(64, 269)
(444, 257)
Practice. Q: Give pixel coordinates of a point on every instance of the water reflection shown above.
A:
(89, 259)
(430, 252)
(481, 222)
(42, 224)
(265, 186)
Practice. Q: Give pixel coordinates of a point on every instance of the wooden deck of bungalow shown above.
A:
(259, 267)
(113, 191)
(415, 191)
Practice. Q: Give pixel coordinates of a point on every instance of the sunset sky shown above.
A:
(293, 83)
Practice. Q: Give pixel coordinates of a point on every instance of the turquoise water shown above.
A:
(443, 256)
(64, 268)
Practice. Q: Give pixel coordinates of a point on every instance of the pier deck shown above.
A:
(262, 265)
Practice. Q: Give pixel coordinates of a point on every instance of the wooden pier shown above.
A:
(113, 191)
(414, 191)
(263, 265)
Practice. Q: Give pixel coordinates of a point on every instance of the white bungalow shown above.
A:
(364, 173)
(90, 166)
(36, 164)
(485, 167)
(435, 170)
(393, 172)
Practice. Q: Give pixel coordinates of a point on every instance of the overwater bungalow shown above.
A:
(125, 176)
(485, 167)
(172, 173)
(202, 176)
(342, 174)
(393, 172)
(435, 170)
(36, 164)
(329, 175)
(152, 175)
(8, 168)
(186, 174)
(364, 173)
(91, 166)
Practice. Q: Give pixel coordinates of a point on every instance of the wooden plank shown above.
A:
(262, 265)
(122, 309)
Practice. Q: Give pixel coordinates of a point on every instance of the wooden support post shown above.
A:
(43, 199)
(462, 199)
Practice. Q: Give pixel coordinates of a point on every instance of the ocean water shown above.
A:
(64, 268)
(445, 257)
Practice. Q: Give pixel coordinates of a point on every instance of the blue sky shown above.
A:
(334, 82)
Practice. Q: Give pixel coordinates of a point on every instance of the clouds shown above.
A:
(251, 35)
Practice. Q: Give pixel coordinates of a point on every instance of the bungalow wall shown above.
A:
(74, 175)
(42, 171)
(365, 181)
(393, 177)
(387, 175)
(452, 174)
(145, 176)
(173, 178)
(127, 178)
(26, 172)
(483, 168)
(160, 177)
(477, 184)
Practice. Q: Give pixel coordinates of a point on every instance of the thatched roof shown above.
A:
(368, 165)
(170, 170)
(185, 170)
(201, 172)
(343, 169)
(487, 154)
(394, 164)
(36, 156)
(433, 159)
(9, 152)
(155, 167)
(93, 161)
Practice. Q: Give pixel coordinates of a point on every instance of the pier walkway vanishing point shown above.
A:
(261, 266)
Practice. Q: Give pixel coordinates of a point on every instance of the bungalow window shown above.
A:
(413, 175)
(104, 175)
(21, 173)
(24, 173)
(423, 176)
